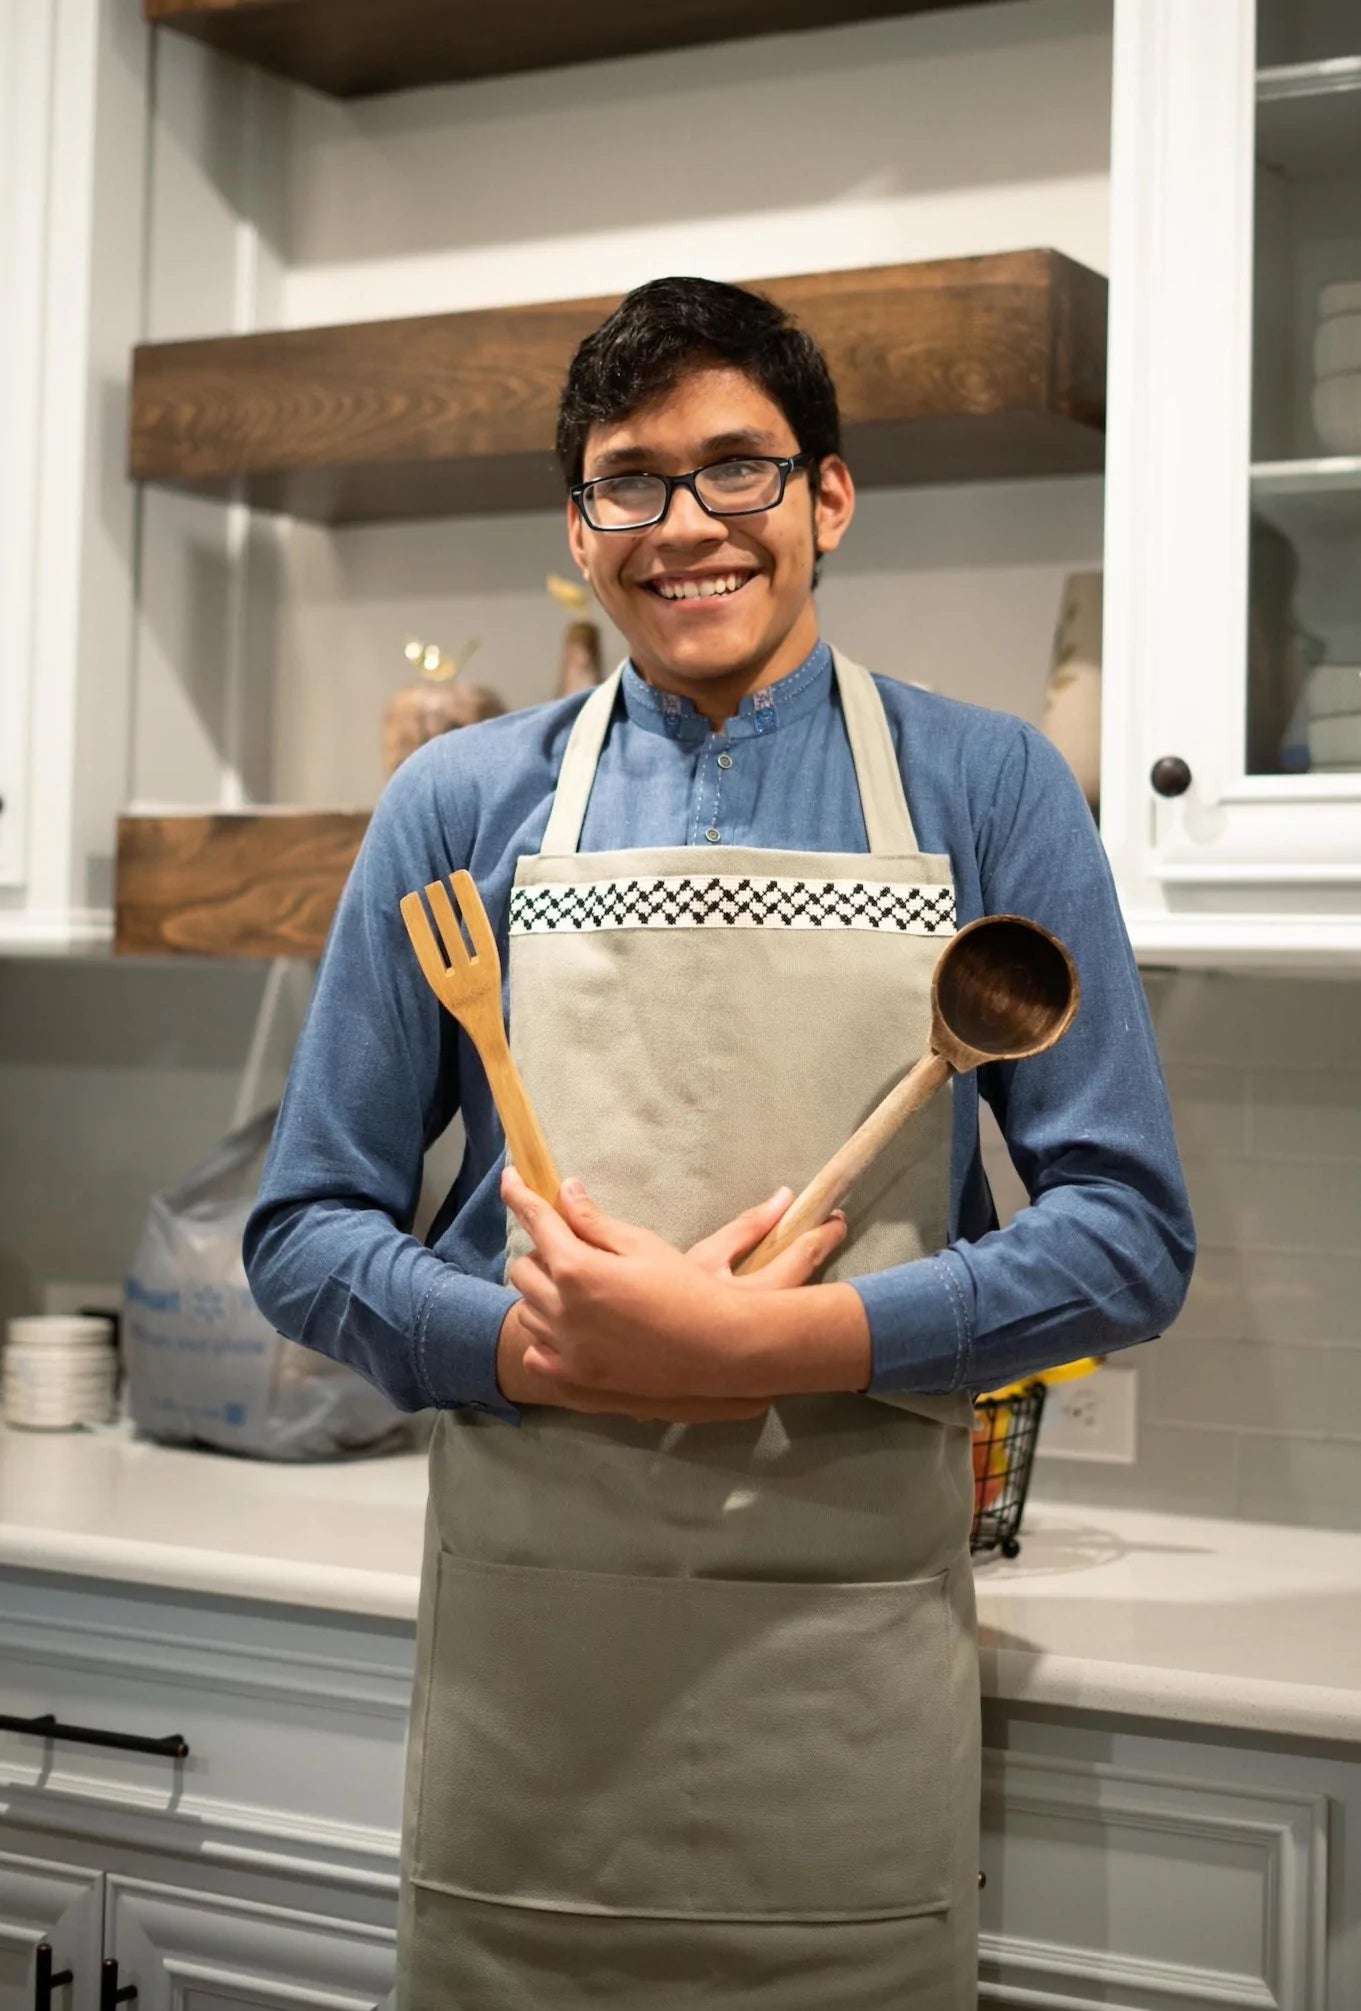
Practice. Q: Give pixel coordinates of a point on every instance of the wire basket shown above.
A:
(1004, 1432)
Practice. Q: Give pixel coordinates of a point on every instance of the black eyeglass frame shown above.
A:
(787, 464)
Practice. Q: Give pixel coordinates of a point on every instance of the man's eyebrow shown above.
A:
(749, 438)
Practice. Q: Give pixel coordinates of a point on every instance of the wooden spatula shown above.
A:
(468, 985)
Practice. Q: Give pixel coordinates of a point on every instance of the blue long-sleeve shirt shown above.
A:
(1100, 1260)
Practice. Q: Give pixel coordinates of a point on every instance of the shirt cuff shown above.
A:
(919, 1326)
(456, 1336)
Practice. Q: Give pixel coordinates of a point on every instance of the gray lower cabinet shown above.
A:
(1131, 1865)
(260, 1870)
(192, 1948)
(1141, 1865)
(45, 1902)
(204, 1951)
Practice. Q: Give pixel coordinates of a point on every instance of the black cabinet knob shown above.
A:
(45, 1980)
(1170, 776)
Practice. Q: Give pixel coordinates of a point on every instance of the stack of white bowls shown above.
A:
(58, 1372)
(1333, 699)
(1337, 368)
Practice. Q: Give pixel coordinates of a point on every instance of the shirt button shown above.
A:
(725, 761)
(712, 835)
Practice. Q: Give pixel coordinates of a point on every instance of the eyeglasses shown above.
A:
(722, 489)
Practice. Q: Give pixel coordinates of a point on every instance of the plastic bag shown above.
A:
(203, 1364)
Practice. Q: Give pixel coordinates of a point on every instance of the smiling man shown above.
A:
(696, 1716)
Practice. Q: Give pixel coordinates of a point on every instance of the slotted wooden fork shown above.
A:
(467, 983)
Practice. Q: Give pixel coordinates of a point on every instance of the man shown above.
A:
(696, 1712)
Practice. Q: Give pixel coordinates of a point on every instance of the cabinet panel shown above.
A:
(295, 1723)
(188, 1951)
(44, 1900)
(71, 205)
(1233, 614)
(1279, 1812)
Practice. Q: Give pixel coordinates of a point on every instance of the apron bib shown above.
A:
(696, 1715)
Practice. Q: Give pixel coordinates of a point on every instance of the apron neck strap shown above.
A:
(888, 822)
(577, 774)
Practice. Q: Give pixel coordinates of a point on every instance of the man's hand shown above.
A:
(521, 1384)
(614, 1318)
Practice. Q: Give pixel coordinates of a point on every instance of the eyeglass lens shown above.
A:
(618, 502)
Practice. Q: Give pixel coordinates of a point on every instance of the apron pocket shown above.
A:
(711, 1747)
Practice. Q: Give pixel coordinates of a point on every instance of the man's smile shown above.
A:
(697, 586)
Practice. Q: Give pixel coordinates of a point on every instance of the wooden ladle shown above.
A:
(1003, 989)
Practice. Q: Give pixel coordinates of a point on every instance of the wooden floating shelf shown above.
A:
(354, 48)
(250, 883)
(970, 369)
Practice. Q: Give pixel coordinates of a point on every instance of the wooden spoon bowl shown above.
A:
(1003, 989)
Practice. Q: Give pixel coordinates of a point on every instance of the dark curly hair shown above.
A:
(664, 329)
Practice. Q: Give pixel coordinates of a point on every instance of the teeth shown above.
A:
(693, 590)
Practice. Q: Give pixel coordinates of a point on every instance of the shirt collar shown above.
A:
(760, 711)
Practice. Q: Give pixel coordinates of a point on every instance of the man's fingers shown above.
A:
(566, 1395)
(534, 1282)
(722, 1250)
(803, 1259)
(550, 1235)
(590, 1222)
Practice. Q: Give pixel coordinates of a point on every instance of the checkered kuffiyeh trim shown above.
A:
(730, 903)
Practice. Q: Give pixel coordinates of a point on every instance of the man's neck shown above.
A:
(719, 699)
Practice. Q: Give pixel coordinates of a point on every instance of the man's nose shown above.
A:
(686, 518)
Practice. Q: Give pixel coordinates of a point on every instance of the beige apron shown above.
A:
(696, 1716)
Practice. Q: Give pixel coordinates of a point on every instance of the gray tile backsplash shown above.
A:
(1251, 1404)
(114, 1078)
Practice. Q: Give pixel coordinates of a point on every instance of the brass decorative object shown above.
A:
(435, 702)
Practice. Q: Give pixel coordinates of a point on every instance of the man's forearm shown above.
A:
(806, 1341)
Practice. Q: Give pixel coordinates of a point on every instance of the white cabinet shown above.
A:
(179, 1947)
(259, 1868)
(1233, 525)
(1137, 1866)
(199, 1951)
(1132, 1864)
(73, 90)
(47, 1905)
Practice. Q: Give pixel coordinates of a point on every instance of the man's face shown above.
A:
(767, 625)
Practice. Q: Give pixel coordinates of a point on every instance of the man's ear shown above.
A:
(576, 538)
(833, 504)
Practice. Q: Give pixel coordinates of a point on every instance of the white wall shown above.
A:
(943, 135)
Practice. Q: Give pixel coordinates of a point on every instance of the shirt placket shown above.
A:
(715, 802)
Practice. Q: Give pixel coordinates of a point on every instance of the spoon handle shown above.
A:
(827, 1189)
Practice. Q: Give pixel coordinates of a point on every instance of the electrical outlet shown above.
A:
(1094, 1418)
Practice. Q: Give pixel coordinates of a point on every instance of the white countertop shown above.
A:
(1241, 1624)
(343, 1535)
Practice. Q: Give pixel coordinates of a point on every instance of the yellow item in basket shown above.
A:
(1066, 1372)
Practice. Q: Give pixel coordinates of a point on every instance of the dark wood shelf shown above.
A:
(972, 369)
(354, 48)
(247, 883)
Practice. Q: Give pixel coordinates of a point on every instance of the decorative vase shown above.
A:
(579, 665)
(1072, 698)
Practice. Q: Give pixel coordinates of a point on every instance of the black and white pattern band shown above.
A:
(726, 901)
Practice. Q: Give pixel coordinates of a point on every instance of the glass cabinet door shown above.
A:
(1303, 675)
